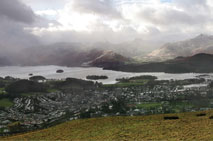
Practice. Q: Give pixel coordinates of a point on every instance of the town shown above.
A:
(55, 101)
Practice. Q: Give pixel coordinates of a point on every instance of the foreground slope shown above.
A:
(188, 127)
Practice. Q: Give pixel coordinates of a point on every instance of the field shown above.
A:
(149, 105)
(2, 91)
(154, 127)
(31, 94)
(5, 103)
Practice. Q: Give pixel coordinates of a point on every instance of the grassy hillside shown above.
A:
(188, 127)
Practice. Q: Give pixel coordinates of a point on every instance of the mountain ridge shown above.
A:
(200, 44)
(199, 63)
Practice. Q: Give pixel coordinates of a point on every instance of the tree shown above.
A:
(37, 78)
(25, 86)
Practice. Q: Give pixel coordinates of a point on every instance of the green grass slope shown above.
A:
(154, 127)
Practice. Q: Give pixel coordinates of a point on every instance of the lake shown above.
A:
(81, 73)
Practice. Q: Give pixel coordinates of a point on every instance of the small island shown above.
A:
(137, 78)
(59, 71)
(96, 77)
(37, 78)
(203, 75)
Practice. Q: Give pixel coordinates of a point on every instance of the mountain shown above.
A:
(108, 59)
(200, 59)
(199, 63)
(200, 44)
(154, 127)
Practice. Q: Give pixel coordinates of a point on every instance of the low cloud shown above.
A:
(15, 16)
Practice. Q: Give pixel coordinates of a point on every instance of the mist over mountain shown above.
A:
(200, 44)
(73, 53)
(129, 28)
(64, 54)
(76, 54)
(134, 48)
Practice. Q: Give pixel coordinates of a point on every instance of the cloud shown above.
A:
(170, 15)
(108, 20)
(15, 10)
(102, 34)
(100, 7)
(45, 4)
(190, 3)
(13, 36)
(178, 17)
(15, 16)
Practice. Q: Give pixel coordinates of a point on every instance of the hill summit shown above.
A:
(108, 59)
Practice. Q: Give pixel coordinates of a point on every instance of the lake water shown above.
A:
(81, 73)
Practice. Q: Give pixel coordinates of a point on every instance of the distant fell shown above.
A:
(200, 44)
(109, 59)
(199, 63)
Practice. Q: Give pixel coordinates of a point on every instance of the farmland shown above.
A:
(6, 103)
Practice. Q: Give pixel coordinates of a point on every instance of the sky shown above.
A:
(32, 22)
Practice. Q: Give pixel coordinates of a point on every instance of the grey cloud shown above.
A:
(15, 16)
(172, 17)
(181, 13)
(101, 7)
(17, 11)
(190, 3)
(194, 16)
(45, 4)
(106, 34)
(13, 37)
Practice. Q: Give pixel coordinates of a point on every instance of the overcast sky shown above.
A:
(30, 22)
